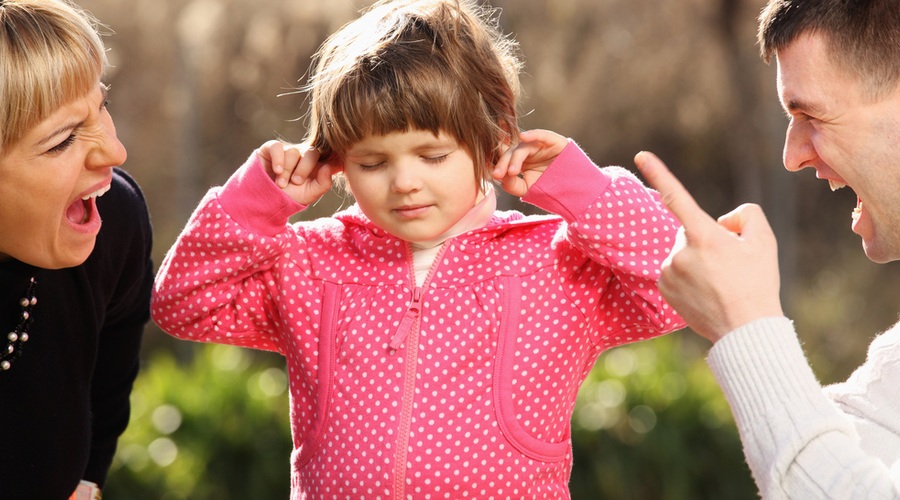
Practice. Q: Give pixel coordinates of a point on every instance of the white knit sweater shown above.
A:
(803, 441)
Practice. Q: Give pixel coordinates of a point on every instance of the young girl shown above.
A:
(434, 345)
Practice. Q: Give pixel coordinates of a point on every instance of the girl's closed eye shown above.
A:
(370, 166)
(436, 159)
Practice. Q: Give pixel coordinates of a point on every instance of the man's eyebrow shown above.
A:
(797, 105)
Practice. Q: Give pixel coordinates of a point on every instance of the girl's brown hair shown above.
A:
(436, 65)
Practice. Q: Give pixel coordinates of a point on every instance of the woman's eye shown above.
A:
(64, 145)
(104, 89)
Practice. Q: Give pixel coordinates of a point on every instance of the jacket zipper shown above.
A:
(409, 318)
(408, 331)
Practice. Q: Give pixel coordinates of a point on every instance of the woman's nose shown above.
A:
(109, 151)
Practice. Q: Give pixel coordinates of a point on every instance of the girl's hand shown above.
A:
(296, 169)
(523, 163)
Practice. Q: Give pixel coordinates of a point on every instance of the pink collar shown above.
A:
(477, 217)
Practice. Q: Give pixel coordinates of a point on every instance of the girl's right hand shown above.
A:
(296, 169)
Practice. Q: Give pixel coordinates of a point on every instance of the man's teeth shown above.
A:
(835, 185)
(97, 193)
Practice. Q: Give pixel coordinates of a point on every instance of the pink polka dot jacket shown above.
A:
(460, 388)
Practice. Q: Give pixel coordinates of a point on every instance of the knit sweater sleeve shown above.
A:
(623, 227)
(122, 266)
(798, 443)
(217, 282)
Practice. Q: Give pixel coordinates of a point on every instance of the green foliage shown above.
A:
(650, 423)
(216, 428)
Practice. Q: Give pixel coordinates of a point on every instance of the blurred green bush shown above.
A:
(650, 423)
(214, 428)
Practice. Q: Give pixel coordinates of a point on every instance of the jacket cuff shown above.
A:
(569, 186)
(253, 200)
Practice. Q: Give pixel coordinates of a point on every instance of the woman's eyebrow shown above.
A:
(59, 131)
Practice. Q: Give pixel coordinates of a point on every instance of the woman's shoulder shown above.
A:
(126, 192)
(126, 229)
(123, 208)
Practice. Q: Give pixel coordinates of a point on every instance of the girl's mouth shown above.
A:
(412, 212)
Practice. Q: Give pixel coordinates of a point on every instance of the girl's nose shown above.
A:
(404, 178)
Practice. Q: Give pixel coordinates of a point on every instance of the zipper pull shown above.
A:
(412, 314)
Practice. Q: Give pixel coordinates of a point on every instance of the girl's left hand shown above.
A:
(523, 163)
(296, 169)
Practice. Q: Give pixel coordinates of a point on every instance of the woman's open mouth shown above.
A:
(83, 214)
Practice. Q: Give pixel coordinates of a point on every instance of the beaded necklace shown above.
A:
(17, 338)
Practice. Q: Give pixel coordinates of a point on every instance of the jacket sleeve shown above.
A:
(623, 232)
(126, 314)
(217, 282)
(801, 441)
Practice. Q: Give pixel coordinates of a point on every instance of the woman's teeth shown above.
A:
(97, 193)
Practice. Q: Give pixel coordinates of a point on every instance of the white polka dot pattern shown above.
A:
(476, 401)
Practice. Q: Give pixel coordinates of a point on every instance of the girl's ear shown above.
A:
(340, 181)
(506, 136)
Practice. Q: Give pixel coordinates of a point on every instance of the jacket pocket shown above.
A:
(329, 347)
(519, 437)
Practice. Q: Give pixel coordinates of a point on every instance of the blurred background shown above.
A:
(198, 84)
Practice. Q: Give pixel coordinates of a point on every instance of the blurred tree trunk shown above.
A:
(188, 166)
(754, 139)
(745, 164)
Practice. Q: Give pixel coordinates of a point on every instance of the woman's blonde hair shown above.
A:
(436, 65)
(50, 55)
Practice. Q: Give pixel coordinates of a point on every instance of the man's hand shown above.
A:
(721, 274)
